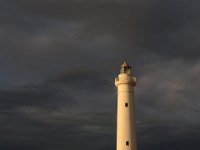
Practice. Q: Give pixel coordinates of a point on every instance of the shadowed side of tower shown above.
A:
(126, 130)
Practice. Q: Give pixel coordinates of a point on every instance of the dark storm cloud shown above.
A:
(175, 136)
(167, 105)
(82, 79)
(57, 64)
(168, 28)
(34, 132)
(33, 115)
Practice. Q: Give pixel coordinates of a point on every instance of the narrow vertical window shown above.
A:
(127, 143)
(126, 104)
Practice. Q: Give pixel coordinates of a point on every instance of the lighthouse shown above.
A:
(126, 125)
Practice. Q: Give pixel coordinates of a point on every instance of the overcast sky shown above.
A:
(59, 58)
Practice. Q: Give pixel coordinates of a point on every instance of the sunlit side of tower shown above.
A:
(126, 130)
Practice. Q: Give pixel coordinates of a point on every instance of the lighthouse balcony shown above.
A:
(125, 79)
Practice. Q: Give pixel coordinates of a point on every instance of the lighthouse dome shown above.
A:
(125, 68)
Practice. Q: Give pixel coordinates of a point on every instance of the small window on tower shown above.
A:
(127, 143)
(126, 104)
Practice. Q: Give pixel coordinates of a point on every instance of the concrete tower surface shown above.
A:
(126, 130)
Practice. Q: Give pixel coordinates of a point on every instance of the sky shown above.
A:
(59, 58)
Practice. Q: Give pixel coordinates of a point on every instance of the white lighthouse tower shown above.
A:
(126, 131)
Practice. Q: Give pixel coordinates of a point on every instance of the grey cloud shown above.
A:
(34, 130)
(82, 79)
(166, 105)
(149, 27)
(169, 88)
